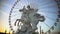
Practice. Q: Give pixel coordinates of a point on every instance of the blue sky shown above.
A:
(47, 8)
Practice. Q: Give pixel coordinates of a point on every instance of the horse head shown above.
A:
(39, 17)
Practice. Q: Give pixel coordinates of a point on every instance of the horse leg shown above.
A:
(20, 20)
(34, 27)
(16, 22)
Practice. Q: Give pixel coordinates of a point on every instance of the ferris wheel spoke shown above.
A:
(16, 11)
(46, 24)
(16, 8)
(49, 12)
(15, 17)
(50, 18)
(15, 14)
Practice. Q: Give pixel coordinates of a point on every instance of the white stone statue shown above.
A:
(30, 19)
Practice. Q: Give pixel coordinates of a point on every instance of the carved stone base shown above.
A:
(27, 33)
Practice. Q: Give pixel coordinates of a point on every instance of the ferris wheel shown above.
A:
(47, 8)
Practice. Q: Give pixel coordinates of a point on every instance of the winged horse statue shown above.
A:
(30, 18)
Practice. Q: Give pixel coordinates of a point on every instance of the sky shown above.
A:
(47, 8)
